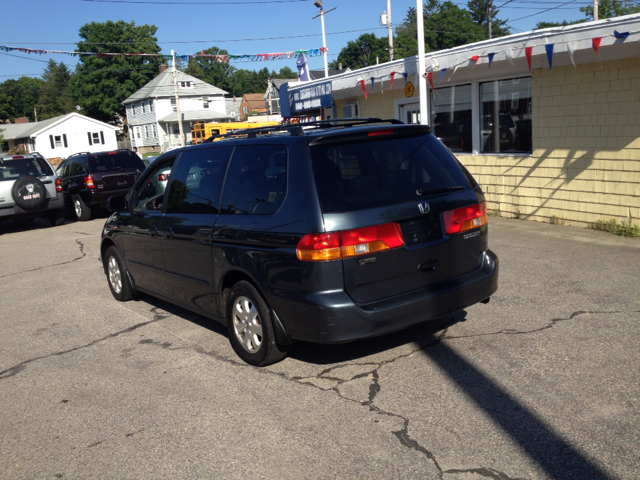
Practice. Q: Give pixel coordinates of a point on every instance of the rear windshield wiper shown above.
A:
(438, 190)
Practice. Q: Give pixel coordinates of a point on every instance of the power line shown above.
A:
(543, 11)
(195, 3)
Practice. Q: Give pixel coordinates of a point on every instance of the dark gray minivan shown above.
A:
(328, 232)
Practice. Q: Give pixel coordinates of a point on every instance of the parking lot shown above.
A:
(542, 382)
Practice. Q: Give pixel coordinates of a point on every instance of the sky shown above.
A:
(238, 26)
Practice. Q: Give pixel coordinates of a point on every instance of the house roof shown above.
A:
(319, 74)
(13, 131)
(255, 100)
(162, 86)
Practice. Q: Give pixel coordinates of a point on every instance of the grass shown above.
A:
(624, 229)
(554, 220)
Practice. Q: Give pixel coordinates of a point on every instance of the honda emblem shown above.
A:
(424, 207)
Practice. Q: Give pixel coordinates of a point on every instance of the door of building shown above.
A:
(410, 113)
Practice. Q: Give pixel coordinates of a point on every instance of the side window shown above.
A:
(197, 182)
(77, 167)
(257, 180)
(151, 193)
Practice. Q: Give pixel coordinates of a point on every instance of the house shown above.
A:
(152, 111)
(547, 121)
(272, 95)
(252, 102)
(58, 137)
(319, 74)
(232, 106)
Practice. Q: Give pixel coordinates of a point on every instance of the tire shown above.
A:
(117, 277)
(56, 217)
(83, 212)
(28, 192)
(250, 327)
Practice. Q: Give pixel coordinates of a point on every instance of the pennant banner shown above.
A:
(571, 47)
(549, 49)
(392, 74)
(364, 89)
(595, 42)
(528, 51)
(442, 74)
(430, 78)
(491, 55)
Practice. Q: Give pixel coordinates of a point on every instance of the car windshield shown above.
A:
(107, 162)
(12, 169)
(368, 174)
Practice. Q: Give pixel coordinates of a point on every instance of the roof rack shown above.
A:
(296, 129)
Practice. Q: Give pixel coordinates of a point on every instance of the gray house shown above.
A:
(152, 112)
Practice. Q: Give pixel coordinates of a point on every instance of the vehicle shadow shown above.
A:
(13, 226)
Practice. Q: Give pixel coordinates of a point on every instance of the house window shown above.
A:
(350, 110)
(505, 116)
(142, 105)
(154, 131)
(176, 129)
(174, 106)
(451, 117)
(205, 103)
(151, 105)
(137, 132)
(186, 84)
(133, 110)
(245, 109)
(95, 137)
(58, 141)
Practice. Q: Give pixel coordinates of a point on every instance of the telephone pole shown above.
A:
(175, 86)
(490, 15)
(595, 9)
(390, 30)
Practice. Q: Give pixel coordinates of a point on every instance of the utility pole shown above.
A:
(490, 14)
(318, 3)
(595, 9)
(175, 87)
(422, 81)
(390, 30)
(35, 113)
(269, 95)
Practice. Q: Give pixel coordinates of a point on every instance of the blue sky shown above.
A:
(242, 28)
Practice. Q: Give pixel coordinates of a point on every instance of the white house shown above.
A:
(152, 112)
(59, 137)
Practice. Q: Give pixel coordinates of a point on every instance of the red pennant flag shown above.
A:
(430, 78)
(596, 44)
(392, 74)
(528, 52)
(364, 89)
(474, 59)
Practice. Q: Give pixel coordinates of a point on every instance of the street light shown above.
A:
(318, 3)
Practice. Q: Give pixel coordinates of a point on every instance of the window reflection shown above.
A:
(451, 117)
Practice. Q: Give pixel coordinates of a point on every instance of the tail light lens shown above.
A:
(465, 218)
(320, 247)
(88, 181)
(163, 177)
(58, 185)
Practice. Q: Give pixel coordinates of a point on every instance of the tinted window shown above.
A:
(151, 193)
(77, 167)
(108, 162)
(256, 181)
(197, 181)
(13, 169)
(374, 173)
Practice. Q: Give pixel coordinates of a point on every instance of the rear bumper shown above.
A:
(97, 197)
(14, 211)
(333, 317)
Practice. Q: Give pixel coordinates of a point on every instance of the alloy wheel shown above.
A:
(247, 324)
(115, 277)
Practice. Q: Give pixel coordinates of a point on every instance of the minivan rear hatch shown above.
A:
(404, 176)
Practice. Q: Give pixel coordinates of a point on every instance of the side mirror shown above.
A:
(116, 204)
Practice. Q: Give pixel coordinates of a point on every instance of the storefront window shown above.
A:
(505, 116)
(451, 117)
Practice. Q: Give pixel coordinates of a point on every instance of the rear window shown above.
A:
(14, 169)
(382, 171)
(107, 162)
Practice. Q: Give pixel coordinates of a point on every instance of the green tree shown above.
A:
(24, 93)
(7, 111)
(612, 8)
(286, 72)
(564, 23)
(479, 10)
(54, 96)
(211, 71)
(363, 52)
(101, 84)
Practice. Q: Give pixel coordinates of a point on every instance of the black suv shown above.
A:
(324, 232)
(88, 179)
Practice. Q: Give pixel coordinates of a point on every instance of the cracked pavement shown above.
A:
(540, 383)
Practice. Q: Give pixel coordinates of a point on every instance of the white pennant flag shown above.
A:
(454, 72)
(509, 55)
(571, 47)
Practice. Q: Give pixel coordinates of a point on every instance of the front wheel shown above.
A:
(250, 327)
(83, 212)
(119, 284)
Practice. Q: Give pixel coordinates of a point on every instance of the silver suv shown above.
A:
(29, 188)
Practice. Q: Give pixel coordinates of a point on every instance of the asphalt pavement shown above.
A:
(541, 383)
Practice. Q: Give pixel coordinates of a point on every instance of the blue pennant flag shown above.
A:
(442, 73)
(549, 49)
(490, 58)
(372, 82)
(405, 77)
(622, 35)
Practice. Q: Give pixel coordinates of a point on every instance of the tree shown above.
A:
(363, 51)
(54, 96)
(24, 93)
(479, 10)
(286, 72)
(101, 84)
(211, 71)
(612, 8)
(6, 109)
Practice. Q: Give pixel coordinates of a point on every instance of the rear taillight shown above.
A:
(375, 133)
(319, 247)
(465, 218)
(17, 156)
(58, 185)
(163, 177)
(88, 182)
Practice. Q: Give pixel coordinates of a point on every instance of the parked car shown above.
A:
(341, 231)
(29, 188)
(88, 179)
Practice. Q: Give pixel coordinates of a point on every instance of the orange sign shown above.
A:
(408, 89)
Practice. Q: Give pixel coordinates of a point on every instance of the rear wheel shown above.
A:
(250, 327)
(83, 212)
(118, 280)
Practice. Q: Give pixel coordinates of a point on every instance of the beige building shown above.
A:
(547, 144)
